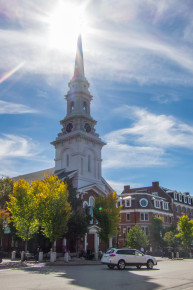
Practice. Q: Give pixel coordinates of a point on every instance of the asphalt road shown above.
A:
(166, 275)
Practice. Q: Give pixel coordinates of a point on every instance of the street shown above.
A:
(166, 275)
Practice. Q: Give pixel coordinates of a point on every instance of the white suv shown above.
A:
(127, 257)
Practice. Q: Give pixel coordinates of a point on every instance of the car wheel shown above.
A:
(149, 264)
(121, 265)
(111, 267)
(138, 266)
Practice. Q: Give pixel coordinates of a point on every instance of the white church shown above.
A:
(78, 149)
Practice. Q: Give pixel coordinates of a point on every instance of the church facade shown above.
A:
(78, 152)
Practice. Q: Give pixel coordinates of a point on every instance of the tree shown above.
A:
(4, 220)
(79, 220)
(108, 215)
(136, 238)
(171, 240)
(6, 188)
(22, 209)
(185, 228)
(156, 231)
(53, 208)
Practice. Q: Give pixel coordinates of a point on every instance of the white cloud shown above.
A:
(12, 146)
(152, 136)
(12, 108)
(119, 186)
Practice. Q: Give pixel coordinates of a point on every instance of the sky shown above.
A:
(138, 58)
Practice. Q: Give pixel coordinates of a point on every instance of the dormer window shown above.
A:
(128, 203)
(189, 200)
(185, 199)
(180, 197)
(157, 203)
(165, 205)
(175, 196)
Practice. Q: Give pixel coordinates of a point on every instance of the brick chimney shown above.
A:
(155, 184)
(126, 188)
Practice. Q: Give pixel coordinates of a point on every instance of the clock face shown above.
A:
(87, 127)
(69, 127)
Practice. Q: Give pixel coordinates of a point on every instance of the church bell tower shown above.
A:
(78, 146)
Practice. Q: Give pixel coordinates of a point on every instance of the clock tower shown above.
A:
(78, 146)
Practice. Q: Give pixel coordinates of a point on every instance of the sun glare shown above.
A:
(65, 23)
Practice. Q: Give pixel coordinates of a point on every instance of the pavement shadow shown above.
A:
(98, 277)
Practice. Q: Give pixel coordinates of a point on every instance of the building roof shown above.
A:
(38, 175)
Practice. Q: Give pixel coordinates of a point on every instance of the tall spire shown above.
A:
(79, 62)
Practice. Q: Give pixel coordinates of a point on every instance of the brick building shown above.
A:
(140, 204)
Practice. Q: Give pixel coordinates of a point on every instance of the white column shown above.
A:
(96, 246)
(40, 256)
(110, 242)
(85, 242)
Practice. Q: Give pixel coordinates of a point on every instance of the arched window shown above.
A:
(85, 106)
(82, 166)
(89, 163)
(67, 160)
(71, 106)
(85, 207)
(91, 203)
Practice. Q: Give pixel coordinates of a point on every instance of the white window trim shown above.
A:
(158, 202)
(165, 205)
(180, 197)
(126, 201)
(144, 213)
(145, 201)
(185, 199)
(175, 196)
(189, 200)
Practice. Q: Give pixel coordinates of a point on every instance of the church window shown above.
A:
(91, 204)
(71, 106)
(85, 106)
(85, 207)
(81, 165)
(98, 169)
(89, 163)
(67, 160)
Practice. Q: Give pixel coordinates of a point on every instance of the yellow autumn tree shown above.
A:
(52, 206)
(22, 209)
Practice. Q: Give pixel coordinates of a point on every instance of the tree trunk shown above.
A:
(26, 246)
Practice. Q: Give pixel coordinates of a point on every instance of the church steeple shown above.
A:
(78, 146)
(79, 62)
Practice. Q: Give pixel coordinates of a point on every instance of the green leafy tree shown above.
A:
(22, 209)
(6, 188)
(4, 220)
(156, 232)
(171, 240)
(185, 228)
(108, 215)
(136, 238)
(79, 220)
(53, 208)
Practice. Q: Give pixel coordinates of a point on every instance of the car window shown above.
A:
(137, 253)
(110, 251)
(126, 252)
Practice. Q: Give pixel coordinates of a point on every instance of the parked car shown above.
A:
(127, 257)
